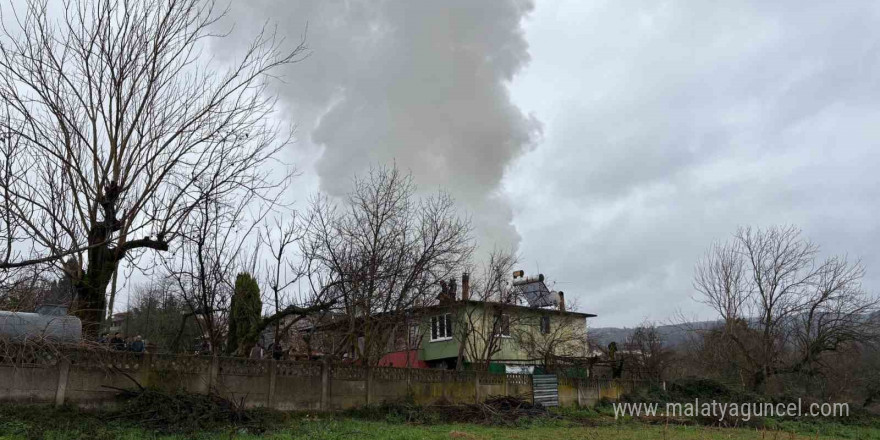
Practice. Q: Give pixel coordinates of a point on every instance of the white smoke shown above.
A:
(420, 83)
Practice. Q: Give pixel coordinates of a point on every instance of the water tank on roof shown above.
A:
(19, 326)
(535, 292)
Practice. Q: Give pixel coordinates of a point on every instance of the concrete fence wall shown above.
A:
(94, 378)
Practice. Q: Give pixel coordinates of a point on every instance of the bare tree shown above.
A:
(282, 274)
(482, 325)
(493, 322)
(559, 341)
(210, 251)
(722, 352)
(650, 355)
(229, 235)
(773, 282)
(386, 249)
(155, 313)
(720, 277)
(836, 313)
(113, 121)
(25, 289)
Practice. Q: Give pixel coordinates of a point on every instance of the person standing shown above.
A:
(137, 345)
(256, 352)
(116, 342)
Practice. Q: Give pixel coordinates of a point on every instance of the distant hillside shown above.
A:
(672, 334)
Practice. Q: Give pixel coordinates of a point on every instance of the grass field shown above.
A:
(354, 429)
(48, 423)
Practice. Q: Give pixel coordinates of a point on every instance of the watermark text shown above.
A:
(730, 410)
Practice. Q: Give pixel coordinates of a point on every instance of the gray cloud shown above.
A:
(422, 83)
(664, 126)
(671, 123)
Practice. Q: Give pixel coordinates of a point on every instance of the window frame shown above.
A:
(544, 325)
(499, 319)
(441, 324)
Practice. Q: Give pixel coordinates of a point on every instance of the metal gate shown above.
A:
(545, 390)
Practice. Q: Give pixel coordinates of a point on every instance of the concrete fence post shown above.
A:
(63, 374)
(213, 373)
(325, 385)
(270, 397)
(506, 387)
(532, 388)
(580, 392)
(477, 387)
(664, 385)
(598, 391)
(369, 384)
(146, 366)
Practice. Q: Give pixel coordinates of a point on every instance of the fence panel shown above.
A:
(545, 390)
(287, 385)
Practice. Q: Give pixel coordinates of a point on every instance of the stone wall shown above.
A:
(91, 379)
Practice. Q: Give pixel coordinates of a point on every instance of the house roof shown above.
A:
(510, 306)
(338, 320)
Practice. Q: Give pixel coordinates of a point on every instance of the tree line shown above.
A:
(787, 320)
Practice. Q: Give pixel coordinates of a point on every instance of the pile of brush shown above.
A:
(494, 410)
(184, 412)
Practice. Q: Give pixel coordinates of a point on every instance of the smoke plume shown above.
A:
(419, 83)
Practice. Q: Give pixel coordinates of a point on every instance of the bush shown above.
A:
(687, 390)
(396, 413)
(185, 412)
(503, 411)
(651, 394)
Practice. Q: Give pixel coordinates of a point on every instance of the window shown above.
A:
(545, 325)
(441, 327)
(502, 325)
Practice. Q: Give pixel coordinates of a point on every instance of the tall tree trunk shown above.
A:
(91, 286)
(91, 301)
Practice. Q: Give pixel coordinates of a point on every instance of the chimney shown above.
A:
(561, 302)
(452, 289)
(465, 286)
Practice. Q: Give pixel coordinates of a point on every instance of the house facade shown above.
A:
(522, 327)
(499, 336)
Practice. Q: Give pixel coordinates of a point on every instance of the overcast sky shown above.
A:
(610, 141)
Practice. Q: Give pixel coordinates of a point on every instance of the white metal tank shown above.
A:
(19, 326)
